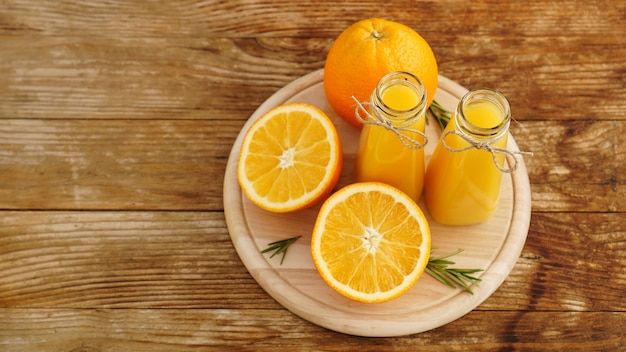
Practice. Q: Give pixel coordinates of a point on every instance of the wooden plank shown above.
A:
(185, 78)
(557, 197)
(268, 330)
(113, 164)
(575, 166)
(300, 18)
(180, 164)
(187, 260)
(122, 259)
(146, 78)
(571, 152)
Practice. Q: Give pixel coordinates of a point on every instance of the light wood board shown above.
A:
(494, 245)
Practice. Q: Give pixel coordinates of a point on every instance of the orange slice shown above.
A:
(371, 242)
(290, 158)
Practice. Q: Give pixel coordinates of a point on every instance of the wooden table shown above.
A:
(117, 119)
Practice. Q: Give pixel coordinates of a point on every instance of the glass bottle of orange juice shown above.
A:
(464, 174)
(391, 144)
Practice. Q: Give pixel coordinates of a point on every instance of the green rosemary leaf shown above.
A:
(446, 256)
(437, 267)
(438, 277)
(280, 247)
(458, 280)
(439, 113)
(268, 249)
(468, 271)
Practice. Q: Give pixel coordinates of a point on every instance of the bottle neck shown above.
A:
(399, 98)
(483, 114)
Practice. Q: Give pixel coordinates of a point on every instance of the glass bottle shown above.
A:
(391, 143)
(462, 183)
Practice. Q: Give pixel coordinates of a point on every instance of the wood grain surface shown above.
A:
(117, 117)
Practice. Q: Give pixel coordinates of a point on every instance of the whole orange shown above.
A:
(366, 51)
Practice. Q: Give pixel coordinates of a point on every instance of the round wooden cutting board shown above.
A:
(494, 245)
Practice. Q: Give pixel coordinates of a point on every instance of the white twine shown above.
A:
(376, 120)
(485, 145)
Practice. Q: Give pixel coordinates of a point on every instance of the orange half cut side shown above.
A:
(371, 242)
(290, 158)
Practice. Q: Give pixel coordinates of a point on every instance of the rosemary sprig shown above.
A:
(438, 268)
(439, 113)
(280, 247)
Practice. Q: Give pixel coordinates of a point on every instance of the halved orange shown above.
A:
(371, 242)
(290, 158)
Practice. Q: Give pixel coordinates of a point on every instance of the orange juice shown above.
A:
(400, 97)
(463, 187)
(382, 156)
